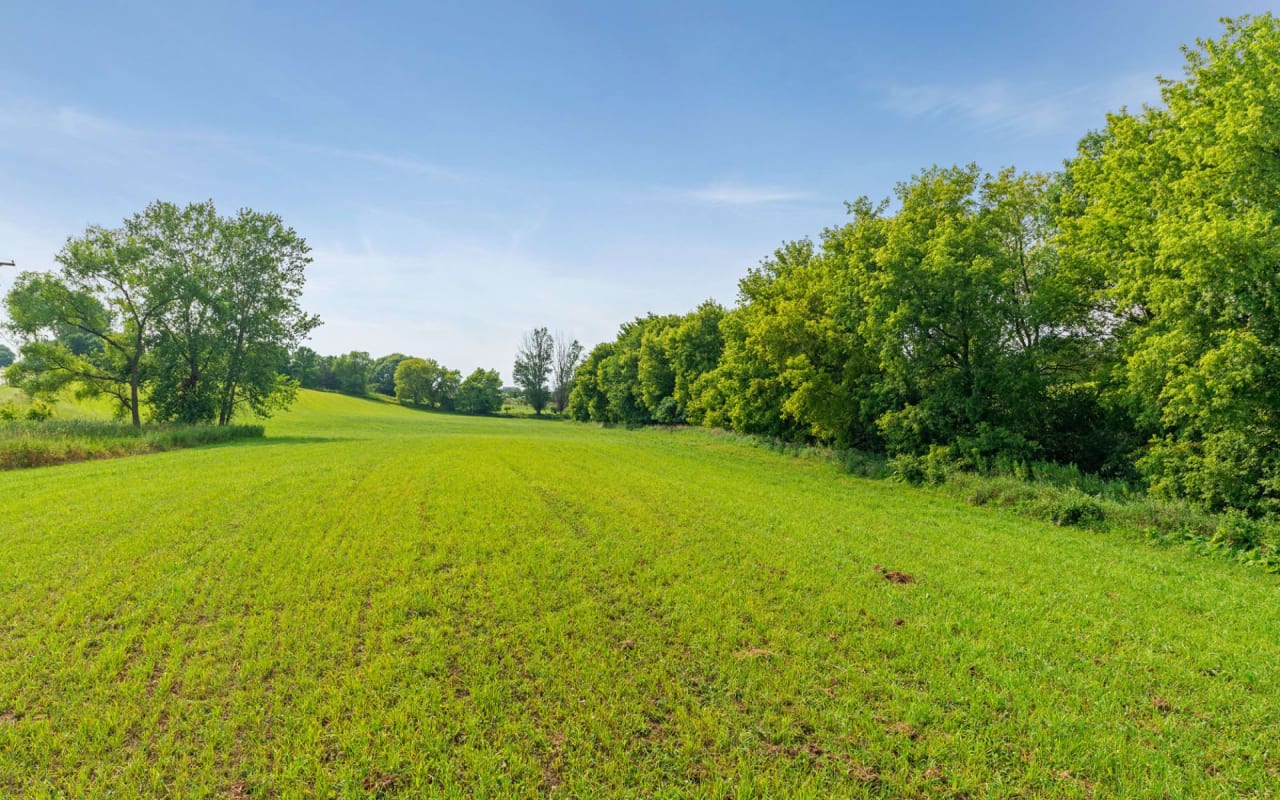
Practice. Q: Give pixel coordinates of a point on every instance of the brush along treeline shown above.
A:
(179, 311)
(1122, 314)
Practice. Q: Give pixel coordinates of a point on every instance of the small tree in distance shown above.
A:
(413, 380)
(480, 393)
(568, 354)
(533, 366)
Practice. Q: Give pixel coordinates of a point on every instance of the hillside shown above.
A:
(374, 601)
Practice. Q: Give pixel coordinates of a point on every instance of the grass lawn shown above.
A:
(374, 601)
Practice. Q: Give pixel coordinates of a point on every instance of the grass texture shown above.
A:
(378, 602)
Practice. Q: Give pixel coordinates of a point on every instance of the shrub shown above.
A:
(865, 465)
(932, 469)
(1074, 507)
(1237, 530)
(39, 411)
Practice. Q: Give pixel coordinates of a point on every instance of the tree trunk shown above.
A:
(133, 395)
(229, 391)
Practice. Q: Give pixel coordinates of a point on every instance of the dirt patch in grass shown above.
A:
(864, 774)
(380, 784)
(893, 575)
(753, 652)
(808, 750)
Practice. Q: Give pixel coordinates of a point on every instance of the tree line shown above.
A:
(1121, 314)
(421, 382)
(181, 310)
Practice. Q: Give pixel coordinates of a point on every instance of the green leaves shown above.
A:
(1181, 210)
(533, 367)
(190, 311)
(480, 393)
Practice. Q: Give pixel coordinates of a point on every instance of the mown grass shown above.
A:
(375, 602)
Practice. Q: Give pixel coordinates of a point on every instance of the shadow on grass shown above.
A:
(384, 400)
(296, 440)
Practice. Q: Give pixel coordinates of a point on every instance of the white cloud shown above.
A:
(740, 194)
(1024, 110)
(68, 133)
(391, 162)
(463, 302)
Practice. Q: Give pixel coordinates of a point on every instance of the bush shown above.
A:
(930, 469)
(1074, 507)
(39, 411)
(865, 465)
(1237, 530)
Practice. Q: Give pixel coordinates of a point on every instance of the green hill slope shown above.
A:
(380, 602)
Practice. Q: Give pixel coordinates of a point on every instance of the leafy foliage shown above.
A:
(191, 312)
(534, 362)
(1178, 208)
(480, 393)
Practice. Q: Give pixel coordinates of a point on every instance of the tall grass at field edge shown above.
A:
(1060, 494)
(26, 444)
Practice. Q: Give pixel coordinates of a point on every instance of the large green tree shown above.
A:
(1179, 209)
(192, 312)
(257, 296)
(107, 291)
(963, 301)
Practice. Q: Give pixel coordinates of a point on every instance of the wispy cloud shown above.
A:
(740, 194)
(1025, 110)
(69, 132)
(391, 162)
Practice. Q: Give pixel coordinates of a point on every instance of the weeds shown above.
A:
(25, 444)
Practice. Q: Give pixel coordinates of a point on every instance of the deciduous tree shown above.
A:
(533, 367)
(568, 355)
(480, 393)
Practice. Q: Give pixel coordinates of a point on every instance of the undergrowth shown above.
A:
(1060, 494)
(1064, 495)
(44, 442)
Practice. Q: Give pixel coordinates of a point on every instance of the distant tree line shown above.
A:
(1122, 314)
(420, 382)
(179, 310)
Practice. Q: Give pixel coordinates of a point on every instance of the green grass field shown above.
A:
(380, 602)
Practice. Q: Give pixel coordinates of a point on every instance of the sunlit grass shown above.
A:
(374, 601)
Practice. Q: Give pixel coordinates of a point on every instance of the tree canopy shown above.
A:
(180, 309)
(533, 366)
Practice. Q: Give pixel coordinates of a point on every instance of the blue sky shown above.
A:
(464, 172)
